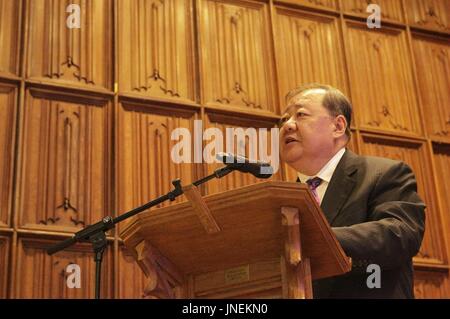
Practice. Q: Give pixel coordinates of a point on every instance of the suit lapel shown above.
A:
(341, 185)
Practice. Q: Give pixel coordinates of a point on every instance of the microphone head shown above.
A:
(265, 171)
(228, 158)
(257, 168)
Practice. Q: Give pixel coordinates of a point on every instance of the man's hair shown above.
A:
(333, 100)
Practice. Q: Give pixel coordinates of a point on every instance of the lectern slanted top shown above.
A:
(264, 240)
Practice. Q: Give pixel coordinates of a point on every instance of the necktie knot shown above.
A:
(313, 183)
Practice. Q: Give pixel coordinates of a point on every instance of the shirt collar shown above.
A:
(327, 170)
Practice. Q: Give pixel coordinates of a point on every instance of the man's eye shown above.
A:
(301, 114)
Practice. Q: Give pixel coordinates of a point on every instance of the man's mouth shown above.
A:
(289, 140)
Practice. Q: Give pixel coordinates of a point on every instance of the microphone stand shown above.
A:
(96, 233)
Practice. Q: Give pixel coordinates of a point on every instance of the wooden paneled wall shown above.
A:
(86, 114)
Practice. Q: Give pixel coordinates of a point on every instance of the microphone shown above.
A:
(258, 169)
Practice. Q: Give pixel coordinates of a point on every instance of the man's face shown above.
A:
(306, 129)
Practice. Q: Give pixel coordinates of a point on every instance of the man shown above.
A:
(371, 203)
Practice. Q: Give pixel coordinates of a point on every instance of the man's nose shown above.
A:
(290, 125)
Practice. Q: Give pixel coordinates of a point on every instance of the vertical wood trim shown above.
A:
(439, 206)
(420, 104)
(12, 288)
(344, 48)
(276, 83)
(114, 115)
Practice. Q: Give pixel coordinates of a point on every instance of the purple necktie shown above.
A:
(313, 183)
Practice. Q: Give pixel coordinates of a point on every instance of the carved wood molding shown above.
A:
(295, 268)
(144, 161)
(63, 177)
(9, 35)
(433, 66)
(4, 261)
(156, 39)
(236, 64)
(297, 31)
(381, 63)
(387, 118)
(8, 114)
(322, 4)
(78, 55)
(390, 9)
(163, 277)
(430, 285)
(39, 275)
(429, 13)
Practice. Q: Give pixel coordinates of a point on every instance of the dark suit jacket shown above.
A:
(377, 216)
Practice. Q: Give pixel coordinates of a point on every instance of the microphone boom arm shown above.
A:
(96, 233)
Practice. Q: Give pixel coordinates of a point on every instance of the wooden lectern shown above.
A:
(267, 240)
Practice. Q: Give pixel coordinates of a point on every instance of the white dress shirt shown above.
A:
(325, 173)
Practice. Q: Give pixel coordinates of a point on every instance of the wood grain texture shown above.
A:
(65, 161)
(263, 281)
(4, 265)
(132, 280)
(441, 156)
(432, 59)
(39, 275)
(433, 14)
(156, 46)
(145, 167)
(251, 232)
(241, 138)
(416, 156)
(327, 4)
(303, 47)
(8, 96)
(57, 53)
(379, 64)
(9, 36)
(390, 9)
(235, 56)
(431, 285)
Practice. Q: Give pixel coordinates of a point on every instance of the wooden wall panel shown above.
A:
(8, 95)
(240, 146)
(431, 285)
(65, 161)
(9, 36)
(441, 156)
(156, 49)
(416, 156)
(235, 55)
(58, 53)
(379, 64)
(4, 265)
(39, 275)
(132, 280)
(145, 168)
(327, 4)
(390, 9)
(432, 59)
(433, 14)
(303, 48)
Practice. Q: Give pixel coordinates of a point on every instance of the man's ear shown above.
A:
(340, 124)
